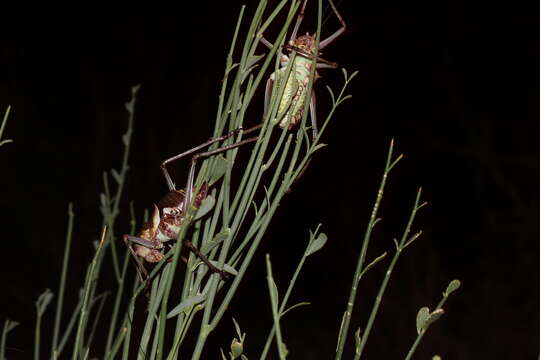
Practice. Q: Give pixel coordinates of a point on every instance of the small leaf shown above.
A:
(357, 340)
(103, 200)
(331, 94)
(220, 167)
(316, 244)
(424, 318)
(227, 72)
(116, 176)
(434, 316)
(219, 238)
(370, 265)
(129, 107)
(342, 326)
(253, 59)
(346, 97)
(43, 301)
(237, 328)
(9, 325)
(421, 318)
(222, 354)
(184, 305)
(206, 205)
(125, 139)
(135, 89)
(284, 349)
(318, 146)
(453, 286)
(398, 248)
(226, 267)
(272, 287)
(294, 307)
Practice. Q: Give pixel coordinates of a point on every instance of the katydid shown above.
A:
(169, 214)
(291, 105)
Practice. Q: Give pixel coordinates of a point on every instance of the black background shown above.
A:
(455, 83)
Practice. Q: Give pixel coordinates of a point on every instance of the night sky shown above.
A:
(455, 84)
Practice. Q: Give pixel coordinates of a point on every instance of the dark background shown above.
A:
(455, 83)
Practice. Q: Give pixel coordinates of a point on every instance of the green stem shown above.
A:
(361, 260)
(405, 240)
(86, 297)
(422, 333)
(61, 287)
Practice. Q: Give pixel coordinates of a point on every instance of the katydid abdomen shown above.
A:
(292, 103)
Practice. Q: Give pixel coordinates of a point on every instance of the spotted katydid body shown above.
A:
(295, 93)
(169, 215)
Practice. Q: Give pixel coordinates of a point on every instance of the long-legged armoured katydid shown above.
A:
(291, 105)
(168, 215)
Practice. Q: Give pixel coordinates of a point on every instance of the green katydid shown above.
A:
(291, 105)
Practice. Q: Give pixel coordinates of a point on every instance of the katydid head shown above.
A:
(149, 233)
(304, 43)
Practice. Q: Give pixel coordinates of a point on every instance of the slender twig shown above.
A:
(61, 287)
(344, 330)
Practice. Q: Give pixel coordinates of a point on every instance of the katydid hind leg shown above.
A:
(205, 260)
(143, 273)
(163, 165)
(267, 43)
(191, 175)
(299, 20)
(324, 43)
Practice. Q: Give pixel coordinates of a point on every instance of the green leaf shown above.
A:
(103, 200)
(434, 316)
(226, 267)
(43, 301)
(253, 59)
(331, 94)
(357, 340)
(353, 75)
(125, 139)
(220, 237)
(304, 303)
(116, 176)
(453, 286)
(272, 287)
(206, 205)
(220, 167)
(237, 328)
(184, 305)
(222, 354)
(421, 318)
(424, 318)
(370, 265)
(10, 325)
(316, 244)
(284, 349)
(319, 146)
(342, 326)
